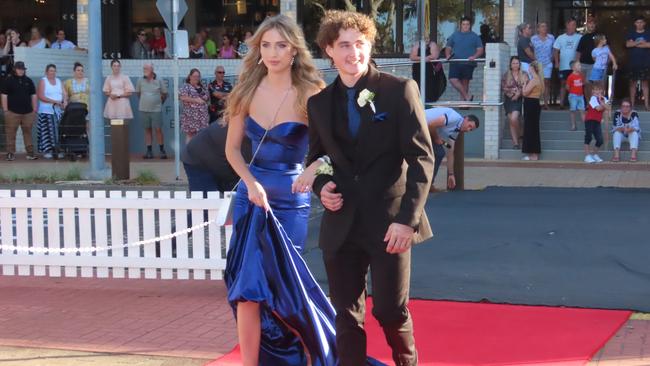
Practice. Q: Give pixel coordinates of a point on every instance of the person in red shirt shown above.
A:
(576, 94)
(158, 43)
(597, 105)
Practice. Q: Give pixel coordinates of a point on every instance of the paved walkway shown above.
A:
(74, 322)
(179, 319)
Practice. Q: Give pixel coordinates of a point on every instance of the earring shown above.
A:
(260, 61)
(293, 60)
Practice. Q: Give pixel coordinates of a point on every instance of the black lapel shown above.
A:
(330, 122)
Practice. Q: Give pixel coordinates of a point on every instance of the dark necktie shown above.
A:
(354, 119)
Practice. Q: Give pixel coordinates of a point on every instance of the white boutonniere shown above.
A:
(366, 97)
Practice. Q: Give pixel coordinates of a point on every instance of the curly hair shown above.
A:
(305, 77)
(335, 20)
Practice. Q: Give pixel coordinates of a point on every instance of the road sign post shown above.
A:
(173, 12)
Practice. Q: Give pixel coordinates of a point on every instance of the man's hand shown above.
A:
(331, 200)
(451, 181)
(399, 238)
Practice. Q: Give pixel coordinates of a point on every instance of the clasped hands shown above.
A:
(398, 237)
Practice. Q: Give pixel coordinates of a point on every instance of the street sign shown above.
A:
(165, 9)
(181, 43)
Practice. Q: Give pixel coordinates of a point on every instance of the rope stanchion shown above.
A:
(42, 250)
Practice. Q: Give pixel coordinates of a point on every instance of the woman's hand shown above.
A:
(303, 183)
(257, 195)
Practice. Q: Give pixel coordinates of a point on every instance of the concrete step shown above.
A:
(571, 155)
(564, 125)
(554, 134)
(576, 144)
(643, 115)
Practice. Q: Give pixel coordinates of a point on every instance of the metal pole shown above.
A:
(459, 162)
(97, 145)
(423, 49)
(177, 123)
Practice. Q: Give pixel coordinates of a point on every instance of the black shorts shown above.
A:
(461, 71)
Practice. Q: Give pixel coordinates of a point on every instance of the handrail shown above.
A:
(462, 104)
(409, 63)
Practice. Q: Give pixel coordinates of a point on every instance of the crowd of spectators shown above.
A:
(44, 103)
(201, 46)
(582, 61)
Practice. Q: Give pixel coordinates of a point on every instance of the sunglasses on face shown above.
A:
(220, 72)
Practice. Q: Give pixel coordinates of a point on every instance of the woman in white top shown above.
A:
(37, 41)
(52, 97)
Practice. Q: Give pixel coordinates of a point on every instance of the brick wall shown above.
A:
(494, 116)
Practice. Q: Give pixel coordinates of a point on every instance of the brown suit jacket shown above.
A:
(385, 173)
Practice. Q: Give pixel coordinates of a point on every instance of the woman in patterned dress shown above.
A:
(195, 98)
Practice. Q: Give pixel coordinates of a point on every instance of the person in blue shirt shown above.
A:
(463, 44)
(638, 67)
(444, 126)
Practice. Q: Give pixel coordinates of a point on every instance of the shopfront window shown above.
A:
(397, 20)
(47, 16)
(449, 14)
(486, 15)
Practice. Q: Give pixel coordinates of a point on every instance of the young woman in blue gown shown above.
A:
(283, 317)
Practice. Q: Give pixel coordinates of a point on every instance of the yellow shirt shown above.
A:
(78, 91)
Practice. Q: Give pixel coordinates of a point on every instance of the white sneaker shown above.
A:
(589, 159)
(526, 158)
(597, 158)
(48, 156)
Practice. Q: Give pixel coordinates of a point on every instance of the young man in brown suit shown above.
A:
(371, 125)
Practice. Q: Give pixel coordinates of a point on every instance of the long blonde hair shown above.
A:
(305, 77)
(536, 67)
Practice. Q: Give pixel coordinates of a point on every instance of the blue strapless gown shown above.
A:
(264, 263)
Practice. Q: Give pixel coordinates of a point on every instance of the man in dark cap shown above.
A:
(19, 106)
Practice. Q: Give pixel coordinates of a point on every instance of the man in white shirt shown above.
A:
(61, 43)
(564, 51)
(444, 126)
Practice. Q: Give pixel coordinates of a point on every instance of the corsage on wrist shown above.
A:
(325, 167)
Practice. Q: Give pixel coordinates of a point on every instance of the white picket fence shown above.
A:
(93, 220)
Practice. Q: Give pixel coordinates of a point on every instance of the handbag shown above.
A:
(225, 216)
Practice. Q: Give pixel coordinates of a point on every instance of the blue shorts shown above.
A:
(461, 71)
(576, 102)
(597, 75)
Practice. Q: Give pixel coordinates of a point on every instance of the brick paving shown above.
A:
(189, 319)
(629, 347)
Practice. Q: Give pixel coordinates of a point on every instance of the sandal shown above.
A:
(633, 159)
(616, 159)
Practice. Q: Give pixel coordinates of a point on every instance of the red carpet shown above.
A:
(453, 333)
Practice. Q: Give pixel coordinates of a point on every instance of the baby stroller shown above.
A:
(73, 138)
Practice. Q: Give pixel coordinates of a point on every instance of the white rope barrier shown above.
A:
(42, 250)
